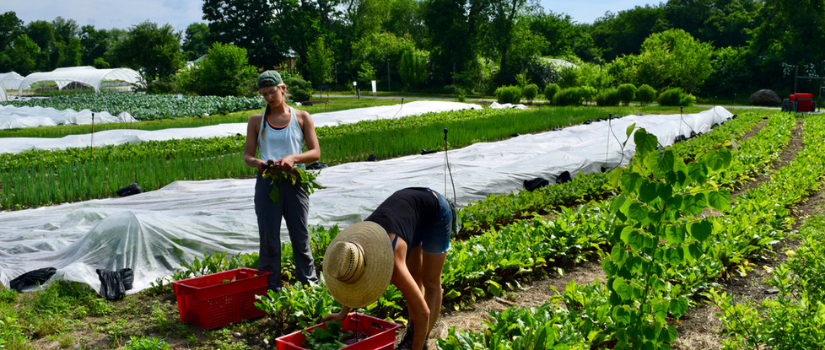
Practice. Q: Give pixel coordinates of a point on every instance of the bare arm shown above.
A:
(251, 145)
(403, 280)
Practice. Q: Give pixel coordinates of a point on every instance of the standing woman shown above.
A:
(280, 133)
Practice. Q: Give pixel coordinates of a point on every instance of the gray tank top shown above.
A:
(276, 143)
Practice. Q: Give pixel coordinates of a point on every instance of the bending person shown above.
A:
(405, 241)
(280, 134)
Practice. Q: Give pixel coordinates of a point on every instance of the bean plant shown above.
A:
(658, 227)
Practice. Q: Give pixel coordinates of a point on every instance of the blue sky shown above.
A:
(107, 14)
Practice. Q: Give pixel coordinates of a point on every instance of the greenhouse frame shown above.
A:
(10, 81)
(85, 75)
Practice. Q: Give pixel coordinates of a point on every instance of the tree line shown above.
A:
(706, 47)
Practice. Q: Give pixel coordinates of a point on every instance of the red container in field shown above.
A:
(804, 101)
(221, 298)
(380, 334)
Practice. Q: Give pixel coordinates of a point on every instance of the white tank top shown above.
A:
(277, 143)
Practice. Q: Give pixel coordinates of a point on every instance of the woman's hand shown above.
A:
(286, 163)
(264, 165)
(340, 316)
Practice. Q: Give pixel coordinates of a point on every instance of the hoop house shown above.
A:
(85, 75)
(10, 81)
(3, 96)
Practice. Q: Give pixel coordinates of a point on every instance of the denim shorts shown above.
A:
(436, 238)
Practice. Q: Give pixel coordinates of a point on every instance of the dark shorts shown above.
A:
(436, 238)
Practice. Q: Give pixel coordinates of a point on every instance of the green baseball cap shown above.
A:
(269, 78)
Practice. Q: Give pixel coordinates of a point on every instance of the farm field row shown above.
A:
(490, 288)
(37, 178)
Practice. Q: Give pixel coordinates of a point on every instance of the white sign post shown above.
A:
(374, 88)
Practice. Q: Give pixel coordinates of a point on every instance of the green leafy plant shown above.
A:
(657, 228)
(530, 92)
(550, 91)
(508, 94)
(329, 337)
(146, 343)
(627, 93)
(646, 94)
(306, 179)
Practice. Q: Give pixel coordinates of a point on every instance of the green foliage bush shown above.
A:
(413, 67)
(609, 97)
(588, 93)
(676, 97)
(550, 92)
(530, 92)
(224, 71)
(568, 77)
(299, 89)
(646, 94)
(508, 94)
(627, 93)
(568, 97)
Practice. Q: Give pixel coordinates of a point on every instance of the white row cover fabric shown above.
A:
(154, 232)
(496, 105)
(12, 117)
(10, 81)
(90, 76)
(131, 136)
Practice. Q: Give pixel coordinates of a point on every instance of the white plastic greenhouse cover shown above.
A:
(12, 117)
(10, 81)
(86, 75)
(154, 232)
(124, 136)
(3, 96)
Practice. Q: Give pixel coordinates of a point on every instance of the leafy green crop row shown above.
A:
(617, 313)
(501, 209)
(147, 107)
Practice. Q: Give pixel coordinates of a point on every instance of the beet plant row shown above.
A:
(661, 259)
(500, 209)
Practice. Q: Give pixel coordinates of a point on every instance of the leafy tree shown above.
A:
(93, 43)
(454, 29)
(68, 54)
(558, 31)
(685, 62)
(590, 74)
(154, 50)
(623, 33)
(65, 29)
(23, 55)
(42, 34)
(195, 41)
(224, 71)
(10, 28)
(406, 19)
(413, 68)
(320, 61)
(378, 50)
(250, 24)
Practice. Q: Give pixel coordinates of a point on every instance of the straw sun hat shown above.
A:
(358, 264)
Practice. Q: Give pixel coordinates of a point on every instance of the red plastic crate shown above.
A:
(211, 302)
(380, 334)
